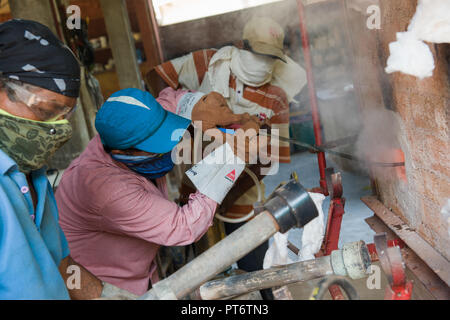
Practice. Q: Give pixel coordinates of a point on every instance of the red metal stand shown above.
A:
(392, 263)
(312, 95)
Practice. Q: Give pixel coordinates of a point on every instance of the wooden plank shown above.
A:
(424, 250)
(433, 285)
(148, 31)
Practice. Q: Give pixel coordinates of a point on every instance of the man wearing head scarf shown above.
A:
(255, 77)
(39, 86)
(113, 198)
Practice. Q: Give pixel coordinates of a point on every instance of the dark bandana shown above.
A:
(31, 53)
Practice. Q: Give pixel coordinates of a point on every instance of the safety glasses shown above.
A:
(45, 109)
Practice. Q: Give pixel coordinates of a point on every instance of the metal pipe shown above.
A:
(269, 278)
(215, 260)
(289, 206)
(312, 95)
(352, 261)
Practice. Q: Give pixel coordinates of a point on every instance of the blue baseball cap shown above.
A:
(132, 118)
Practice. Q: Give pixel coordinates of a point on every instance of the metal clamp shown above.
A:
(392, 264)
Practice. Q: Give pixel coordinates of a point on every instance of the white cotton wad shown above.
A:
(277, 254)
(313, 233)
(410, 56)
(431, 22)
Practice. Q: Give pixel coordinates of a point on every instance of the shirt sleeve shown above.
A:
(180, 102)
(137, 212)
(169, 98)
(187, 71)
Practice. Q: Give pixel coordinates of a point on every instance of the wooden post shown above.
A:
(37, 10)
(149, 32)
(122, 43)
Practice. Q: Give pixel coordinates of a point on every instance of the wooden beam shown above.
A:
(122, 43)
(149, 31)
(439, 264)
(37, 10)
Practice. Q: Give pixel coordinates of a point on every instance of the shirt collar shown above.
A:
(6, 163)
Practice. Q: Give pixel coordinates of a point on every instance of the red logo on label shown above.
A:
(274, 33)
(262, 116)
(231, 176)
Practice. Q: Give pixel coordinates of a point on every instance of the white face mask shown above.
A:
(252, 69)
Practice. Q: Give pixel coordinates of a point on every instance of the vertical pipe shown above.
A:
(312, 95)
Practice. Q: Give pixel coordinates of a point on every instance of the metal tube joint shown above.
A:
(353, 260)
(291, 206)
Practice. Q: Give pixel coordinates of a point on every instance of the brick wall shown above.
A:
(422, 112)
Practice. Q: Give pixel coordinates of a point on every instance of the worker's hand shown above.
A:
(247, 144)
(213, 111)
(250, 122)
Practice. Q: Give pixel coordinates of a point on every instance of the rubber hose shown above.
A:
(324, 284)
(252, 213)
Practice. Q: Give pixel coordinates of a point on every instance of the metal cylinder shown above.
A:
(352, 261)
(269, 278)
(291, 206)
(215, 260)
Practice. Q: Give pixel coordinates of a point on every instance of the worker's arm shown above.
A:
(135, 211)
(186, 71)
(90, 286)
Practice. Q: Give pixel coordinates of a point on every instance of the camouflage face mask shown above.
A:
(31, 143)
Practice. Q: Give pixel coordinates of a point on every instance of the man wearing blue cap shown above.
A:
(113, 200)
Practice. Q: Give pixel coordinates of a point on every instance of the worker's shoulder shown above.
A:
(268, 96)
(277, 91)
(203, 56)
(205, 52)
